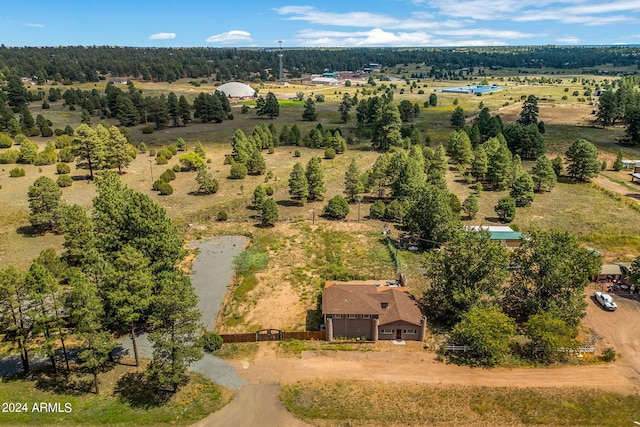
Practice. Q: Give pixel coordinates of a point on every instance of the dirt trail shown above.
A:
(617, 188)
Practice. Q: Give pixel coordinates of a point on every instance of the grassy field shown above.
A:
(360, 403)
(123, 401)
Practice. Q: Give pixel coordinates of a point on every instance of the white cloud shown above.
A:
(234, 36)
(162, 36)
(568, 39)
(35, 25)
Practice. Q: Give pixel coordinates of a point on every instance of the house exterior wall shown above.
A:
(346, 327)
(410, 331)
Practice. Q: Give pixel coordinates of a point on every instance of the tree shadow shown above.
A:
(288, 203)
(62, 383)
(139, 391)
(30, 231)
(494, 220)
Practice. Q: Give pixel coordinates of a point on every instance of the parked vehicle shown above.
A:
(605, 301)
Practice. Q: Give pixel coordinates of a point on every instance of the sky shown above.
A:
(329, 23)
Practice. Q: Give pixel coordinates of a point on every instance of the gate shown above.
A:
(269, 335)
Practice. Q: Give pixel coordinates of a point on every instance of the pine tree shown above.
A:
(298, 184)
(184, 110)
(259, 196)
(470, 206)
(522, 190)
(44, 200)
(582, 157)
(480, 164)
(90, 149)
(352, 183)
(315, 178)
(270, 212)
(458, 118)
(543, 174)
(345, 107)
(529, 113)
(207, 184)
(309, 113)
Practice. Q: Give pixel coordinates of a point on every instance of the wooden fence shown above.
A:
(257, 336)
(580, 350)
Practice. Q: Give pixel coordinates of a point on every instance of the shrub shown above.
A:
(394, 211)
(168, 175)
(271, 150)
(269, 191)
(147, 129)
(191, 161)
(63, 168)
(222, 216)
(165, 152)
(238, 171)
(17, 172)
(58, 132)
(377, 210)
(181, 145)
(142, 147)
(337, 208)
(609, 355)
(161, 160)
(244, 109)
(165, 188)
(64, 181)
(230, 116)
(156, 184)
(329, 153)
(297, 153)
(176, 168)
(173, 149)
(5, 140)
(9, 156)
(152, 152)
(211, 341)
(64, 141)
(66, 155)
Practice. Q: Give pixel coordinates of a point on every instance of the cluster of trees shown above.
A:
(93, 63)
(307, 183)
(247, 151)
(622, 106)
(484, 302)
(118, 271)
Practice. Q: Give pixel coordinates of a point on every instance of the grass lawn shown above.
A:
(375, 404)
(123, 400)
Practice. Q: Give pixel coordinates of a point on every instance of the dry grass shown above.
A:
(361, 403)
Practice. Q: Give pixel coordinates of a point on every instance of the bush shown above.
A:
(58, 132)
(142, 147)
(63, 168)
(297, 153)
(147, 130)
(377, 210)
(337, 208)
(64, 181)
(5, 140)
(329, 153)
(152, 152)
(191, 161)
(271, 150)
(168, 175)
(66, 155)
(238, 171)
(176, 168)
(165, 188)
(269, 191)
(181, 145)
(211, 341)
(17, 172)
(9, 156)
(222, 216)
(161, 160)
(165, 152)
(609, 355)
(244, 109)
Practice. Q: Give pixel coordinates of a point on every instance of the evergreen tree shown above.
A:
(431, 216)
(259, 196)
(255, 163)
(543, 174)
(309, 114)
(617, 164)
(270, 212)
(480, 164)
(175, 337)
(529, 113)
(118, 153)
(13, 298)
(409, 182)
(268, 106)
(522, 190)
(89, 149)
(499, 167)
(387, 127)
(437, 168)
(315, 178)
(298, 184)
(352, 183)
(506, 209)
(207, 184)
(582, 157)
(470, 206)
(173, 110)
(378, 177)
(44, 199)
(337, 208)
(345, 107)
(458, 118)
(632, 124)
(79, 234)
(184, 110)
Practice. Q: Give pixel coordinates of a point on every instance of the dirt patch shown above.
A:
(558, 114)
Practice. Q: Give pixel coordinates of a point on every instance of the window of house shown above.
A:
(384, 304)
(366, 316)
(387, 331)
(410, 331)
(353, 316)
(337, 316)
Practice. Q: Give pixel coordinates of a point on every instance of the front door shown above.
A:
(398, 334)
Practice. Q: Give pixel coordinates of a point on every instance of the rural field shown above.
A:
(304, 249)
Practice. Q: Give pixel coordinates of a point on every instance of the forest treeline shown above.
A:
(90, 63)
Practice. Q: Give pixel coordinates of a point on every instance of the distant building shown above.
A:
(237, 90)
(324, 81)
(505, 234)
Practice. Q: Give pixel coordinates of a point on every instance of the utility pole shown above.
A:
(280, 56)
